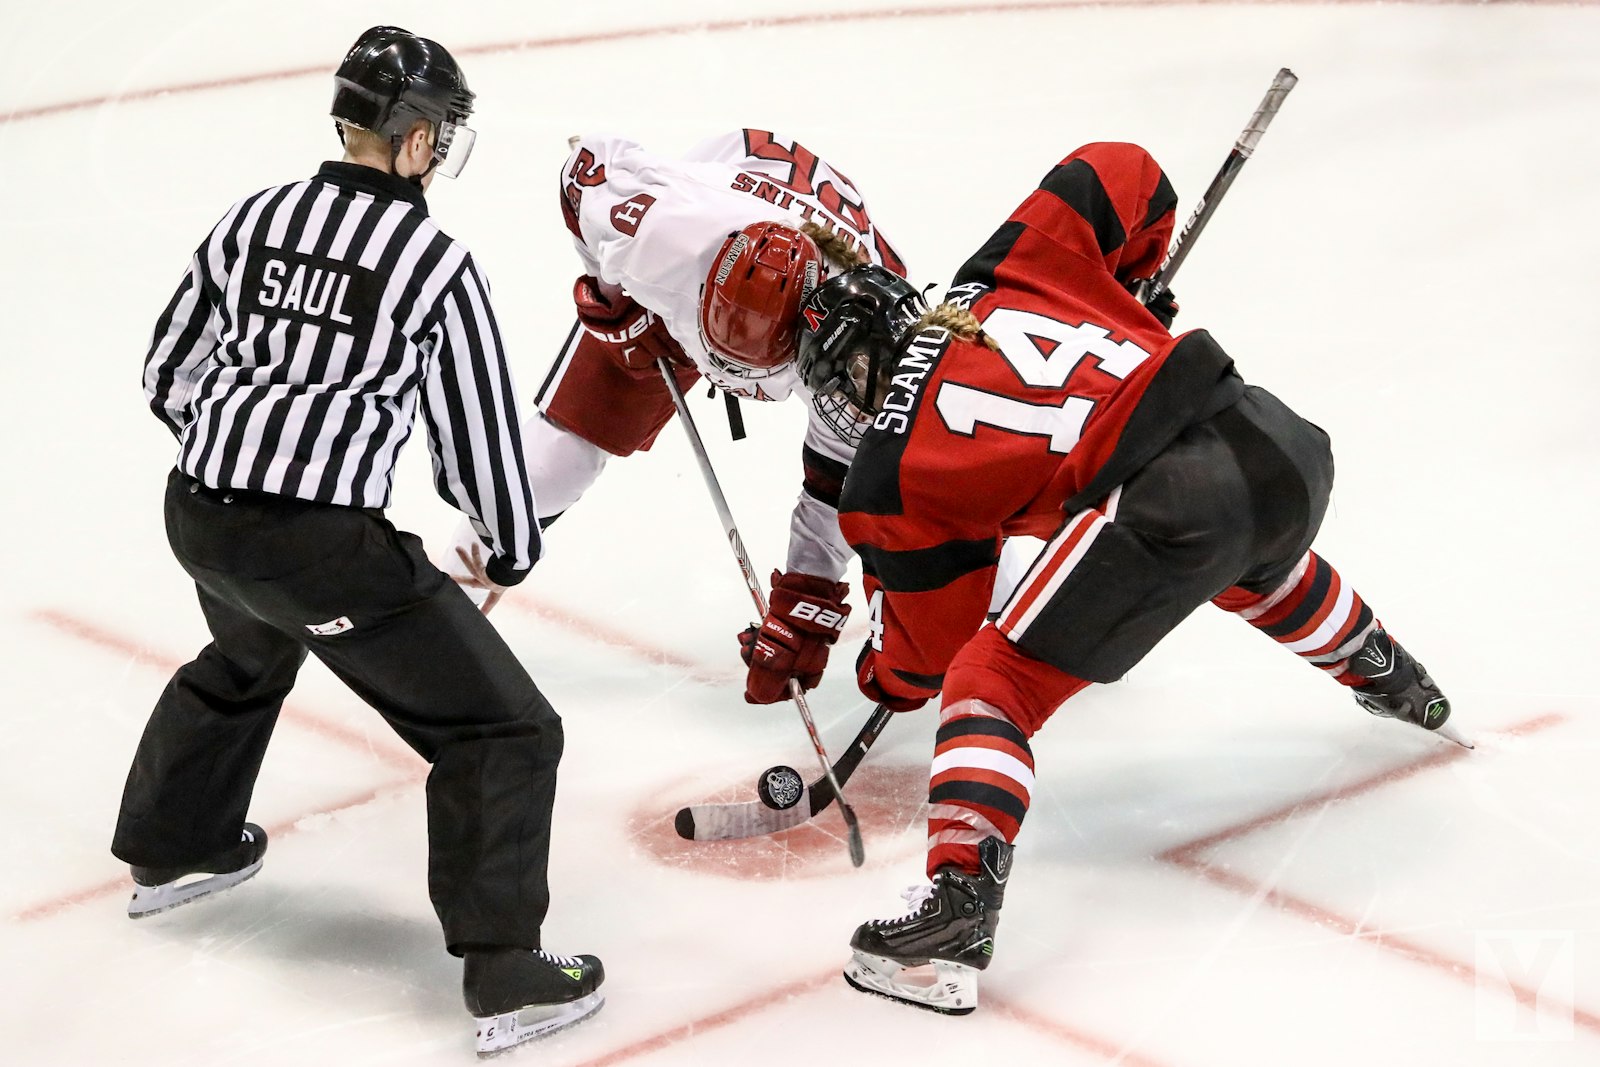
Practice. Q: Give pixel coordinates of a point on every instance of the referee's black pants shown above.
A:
(267, 570)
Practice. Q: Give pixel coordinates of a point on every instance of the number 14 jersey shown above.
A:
(974, 445)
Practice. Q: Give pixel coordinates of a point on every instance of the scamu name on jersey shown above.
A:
(921, 356)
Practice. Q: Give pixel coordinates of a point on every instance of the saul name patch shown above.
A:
(281, 284)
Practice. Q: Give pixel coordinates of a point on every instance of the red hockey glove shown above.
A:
(803, 620)
(634, 336)
(872, 687)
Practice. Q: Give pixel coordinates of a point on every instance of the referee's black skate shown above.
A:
(1396, 686)
(519, 994)
(930, 957)
(157, 889)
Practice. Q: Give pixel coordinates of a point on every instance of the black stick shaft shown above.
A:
(1245, 146)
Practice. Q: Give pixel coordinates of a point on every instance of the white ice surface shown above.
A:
(1408, 260)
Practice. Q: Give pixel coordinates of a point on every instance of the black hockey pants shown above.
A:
(1235, 500)
(409, 642)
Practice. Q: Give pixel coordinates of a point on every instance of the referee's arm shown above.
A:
(182, 342)
(474, 429)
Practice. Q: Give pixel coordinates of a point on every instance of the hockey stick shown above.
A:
(1243, 148)
(858, 853)
(753, 818)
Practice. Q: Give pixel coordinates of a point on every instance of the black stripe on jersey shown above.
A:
(395, 358)
(1310, 603)
(321, 348)
(931, 682)
(980, 794)
(313, 281)
(980, 267)
(824, 476)
(190, 335)
(1163, 200)
(922, 570)
(322, 358)
(450, 370)
(558, 362)
(388, 261)
(1078, 186)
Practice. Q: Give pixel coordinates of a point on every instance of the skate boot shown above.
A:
(519, 994)
(1396, 686)
(158, 889)
(930, 958)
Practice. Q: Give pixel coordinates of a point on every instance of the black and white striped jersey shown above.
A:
(311, 321)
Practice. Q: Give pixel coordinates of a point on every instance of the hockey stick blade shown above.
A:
(751, 818)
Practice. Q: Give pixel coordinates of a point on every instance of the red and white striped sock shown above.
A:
(1312, 613)
(981, 783)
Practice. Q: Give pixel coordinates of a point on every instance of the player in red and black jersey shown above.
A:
(1044, 399)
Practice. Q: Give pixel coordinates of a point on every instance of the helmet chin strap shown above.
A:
(396, 142)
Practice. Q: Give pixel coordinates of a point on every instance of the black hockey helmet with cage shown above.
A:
(390, 78)
(852, 330)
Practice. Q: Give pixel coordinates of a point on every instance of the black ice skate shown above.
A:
(930, 958)
(519, 994)
(1398, 687)
(158, 889)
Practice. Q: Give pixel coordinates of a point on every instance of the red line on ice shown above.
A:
(1004, 7)
(277, 831)
(315, 723)
(1189, 857)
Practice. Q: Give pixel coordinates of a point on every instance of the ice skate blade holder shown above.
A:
(938, 985)
(504, 1032)
(151, 900)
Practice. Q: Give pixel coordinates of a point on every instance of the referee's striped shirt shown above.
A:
(311, 319)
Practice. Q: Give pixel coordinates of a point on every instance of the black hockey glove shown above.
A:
(1164, 307)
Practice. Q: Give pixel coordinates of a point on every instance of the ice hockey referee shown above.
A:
(312, 322)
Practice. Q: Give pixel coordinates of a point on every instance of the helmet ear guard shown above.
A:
(751, 297)
(391, 78)
(852, 330)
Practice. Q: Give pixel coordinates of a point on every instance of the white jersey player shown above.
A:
(703, 261)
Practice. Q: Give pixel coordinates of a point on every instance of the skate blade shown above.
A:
(151, 900)
(1449, 732)
(504, 1032)
(941, 986)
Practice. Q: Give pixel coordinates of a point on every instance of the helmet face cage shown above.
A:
(851, 332)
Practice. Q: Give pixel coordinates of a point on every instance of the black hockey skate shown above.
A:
(519, 994)
(1396, 686)
(157, 889)
(930, 958)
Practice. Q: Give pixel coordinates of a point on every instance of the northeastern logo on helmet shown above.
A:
(628, 214)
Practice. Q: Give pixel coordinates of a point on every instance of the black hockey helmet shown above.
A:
(852, 329)
(391, 78)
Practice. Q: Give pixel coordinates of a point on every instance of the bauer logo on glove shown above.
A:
(803, 620)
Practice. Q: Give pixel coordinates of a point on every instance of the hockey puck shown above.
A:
(780, 788)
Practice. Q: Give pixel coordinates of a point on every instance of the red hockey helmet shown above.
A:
(750, 303)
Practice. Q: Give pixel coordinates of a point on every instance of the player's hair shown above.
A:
(962, 324)
(835, 249)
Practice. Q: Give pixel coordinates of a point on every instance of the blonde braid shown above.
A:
(839, 251)
(962, 324)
